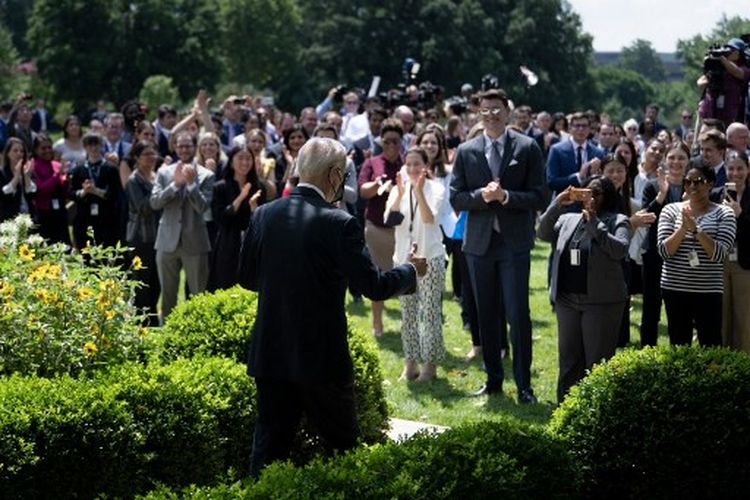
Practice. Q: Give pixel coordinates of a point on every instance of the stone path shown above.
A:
(403, 429)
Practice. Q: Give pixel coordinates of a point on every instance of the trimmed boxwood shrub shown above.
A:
(662, 423)
(211, 324)
(121, 432)
(487, 460)
(220, 324)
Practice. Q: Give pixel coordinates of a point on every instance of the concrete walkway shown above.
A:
(402, 430)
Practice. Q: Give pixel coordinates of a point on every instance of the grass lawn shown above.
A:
(443, 400)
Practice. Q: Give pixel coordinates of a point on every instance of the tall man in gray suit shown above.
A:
(183, 192)
(498, 178)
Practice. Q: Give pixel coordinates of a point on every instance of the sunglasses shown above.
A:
(490, 111)
(695, 182)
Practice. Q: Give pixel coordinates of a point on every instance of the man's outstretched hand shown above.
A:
(419, 263)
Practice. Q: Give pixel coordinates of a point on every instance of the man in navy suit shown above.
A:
(498, 178)
(300, 254)
(572, 161)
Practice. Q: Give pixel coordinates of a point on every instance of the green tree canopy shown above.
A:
(455, 41)
(641, 57)
(91, 49)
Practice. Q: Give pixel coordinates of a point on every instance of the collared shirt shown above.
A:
(718, 167)
(313, 187)
(584, 153)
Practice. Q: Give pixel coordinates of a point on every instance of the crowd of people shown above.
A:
(630, 208)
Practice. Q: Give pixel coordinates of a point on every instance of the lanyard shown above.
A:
(412, 209)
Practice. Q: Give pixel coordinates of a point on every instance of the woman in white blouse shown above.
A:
(412, 208)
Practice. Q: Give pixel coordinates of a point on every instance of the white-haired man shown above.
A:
(300, 254)
(738, 137)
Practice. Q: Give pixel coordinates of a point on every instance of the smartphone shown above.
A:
(730, 191)
(580, 194)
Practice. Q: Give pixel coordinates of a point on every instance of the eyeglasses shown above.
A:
(490, 111)
(695, 182)
(687, 116)
(580, 125)
(351, 102)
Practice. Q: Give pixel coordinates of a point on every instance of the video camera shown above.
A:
(713, 67)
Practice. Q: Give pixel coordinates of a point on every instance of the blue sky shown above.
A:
(615, 24)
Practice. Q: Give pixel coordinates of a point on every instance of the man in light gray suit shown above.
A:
(498, 178)
(183, 192)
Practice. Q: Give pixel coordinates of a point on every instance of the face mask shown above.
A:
(338, 194)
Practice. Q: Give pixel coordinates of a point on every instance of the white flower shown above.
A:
(34, 240)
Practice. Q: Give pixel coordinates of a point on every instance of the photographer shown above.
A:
(724, 82)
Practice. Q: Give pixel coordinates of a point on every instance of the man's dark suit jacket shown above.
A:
(561, 164)
(522, 178)
(300, 254)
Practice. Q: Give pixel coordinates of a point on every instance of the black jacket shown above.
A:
(300, 254)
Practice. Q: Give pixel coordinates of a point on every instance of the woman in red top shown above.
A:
(52, 186)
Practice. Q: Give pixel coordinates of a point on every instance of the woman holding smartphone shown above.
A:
(587, 282)
(735, 328)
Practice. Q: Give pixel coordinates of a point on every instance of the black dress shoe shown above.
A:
(526, 397)
(487, 389)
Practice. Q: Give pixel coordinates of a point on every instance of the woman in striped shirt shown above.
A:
(694, 237)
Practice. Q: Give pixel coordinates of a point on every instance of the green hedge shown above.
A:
(487, 460)
(121, 432)
(220, 324)
(662, 423)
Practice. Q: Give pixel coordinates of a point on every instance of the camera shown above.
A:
(340, 91)
(458, 104)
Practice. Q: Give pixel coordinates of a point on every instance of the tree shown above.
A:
(621, 93)
(75, 44)
(158, 90)
(8, 63)
(455, 41)
(15, 15)
(92, 49)
(641, 57)
(260, 42)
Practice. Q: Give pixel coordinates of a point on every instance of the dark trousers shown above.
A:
(685, 309)
(500, 280)
(328, 407)
(468, 304)
(53, 226)
(651, 298)
(147, 294)
(586, 334)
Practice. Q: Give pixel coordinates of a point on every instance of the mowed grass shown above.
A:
(444, 400)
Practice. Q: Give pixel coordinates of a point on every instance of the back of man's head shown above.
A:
(319, 155)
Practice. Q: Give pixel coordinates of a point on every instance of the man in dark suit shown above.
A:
(572, 161)
(300, 254)
(41, 120)
(498, 178)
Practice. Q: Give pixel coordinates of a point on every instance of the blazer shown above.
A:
(522, 178)
(742, 237)
(300, 254)
(561, 164)
(108, 208)
(142, 219)
(610, 237)
(182, 209)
